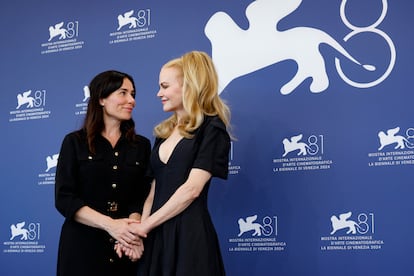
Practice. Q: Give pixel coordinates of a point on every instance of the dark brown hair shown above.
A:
(100, 87)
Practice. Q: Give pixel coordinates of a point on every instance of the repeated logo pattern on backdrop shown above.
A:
(352, 234)
(395, 148)
(24, 238)
(63, 36)
(132, 26)
(299, 155)
(31, 105)
(256, 236)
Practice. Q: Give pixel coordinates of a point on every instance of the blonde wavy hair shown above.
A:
(200, 95)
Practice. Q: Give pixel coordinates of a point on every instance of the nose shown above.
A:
(159, 93)
(131, 100)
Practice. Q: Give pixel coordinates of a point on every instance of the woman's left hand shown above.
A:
(134, 252)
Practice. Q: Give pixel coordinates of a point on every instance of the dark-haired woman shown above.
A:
(101, 184)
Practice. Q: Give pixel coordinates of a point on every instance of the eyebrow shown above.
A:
(125, 89)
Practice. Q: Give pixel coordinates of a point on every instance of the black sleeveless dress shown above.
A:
(187, 244)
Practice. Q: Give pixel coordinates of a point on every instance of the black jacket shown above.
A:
(113, 182)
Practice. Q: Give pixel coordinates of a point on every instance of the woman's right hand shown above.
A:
(122, 230)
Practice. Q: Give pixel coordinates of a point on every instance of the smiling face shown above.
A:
(171, 90)
(120, 103)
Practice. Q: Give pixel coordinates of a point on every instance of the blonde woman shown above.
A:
(191, 147)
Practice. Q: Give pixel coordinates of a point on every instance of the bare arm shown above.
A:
(177, 203)
(148, 202)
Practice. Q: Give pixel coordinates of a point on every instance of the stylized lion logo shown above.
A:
(342, 223)
(250, 225)
(126, 19)
(294, 144)
(25, 99)
(237, 52)
(57, 30)
(17, 230)
(86, 93)
(51, 161)
(391, 138)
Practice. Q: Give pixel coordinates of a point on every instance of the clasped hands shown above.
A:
(129, 239)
